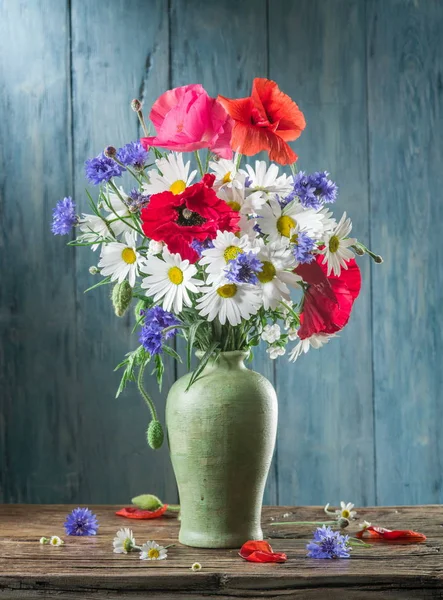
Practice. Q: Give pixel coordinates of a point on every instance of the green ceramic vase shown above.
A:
(221, 435)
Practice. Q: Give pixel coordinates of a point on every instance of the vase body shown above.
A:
(221, 435)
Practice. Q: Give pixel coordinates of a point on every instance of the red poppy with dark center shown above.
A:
(328, 301)
(195, 214)
(265, 121)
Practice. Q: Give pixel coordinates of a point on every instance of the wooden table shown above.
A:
(85, 567)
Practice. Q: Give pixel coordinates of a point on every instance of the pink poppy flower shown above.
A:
(187, 119)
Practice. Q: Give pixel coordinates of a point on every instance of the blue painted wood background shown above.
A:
(359, 420)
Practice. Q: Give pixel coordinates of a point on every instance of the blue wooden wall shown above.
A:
(359, 420)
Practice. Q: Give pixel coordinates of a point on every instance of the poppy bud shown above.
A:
(94, 270)
(155, 434)
(343, 523)
(121, 297)
(378, 259)
(147, 502)
(136, 105)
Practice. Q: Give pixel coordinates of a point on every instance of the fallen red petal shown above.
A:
(380, 533)
(132, 512)
(261, 552)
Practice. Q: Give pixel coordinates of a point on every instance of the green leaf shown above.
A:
(159, 369)
(191, 339)
(203, 362)
(172, 353)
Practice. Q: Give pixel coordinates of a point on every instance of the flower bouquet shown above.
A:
(226, 255)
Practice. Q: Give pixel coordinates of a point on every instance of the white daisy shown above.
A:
(155, 248)
(196, 567)
(117, 208)
(172, 175)
(282, 223)
(229, 302)
(240, 199)
(275, 351)
(267, 180)
(329, 223)
(271, 333)
(56, 541)
(276, 274)
(344, 512)
(316, 341)
(121, 260)
(170, 278)
(94, 229)
(227, 246)
(226, 173)
(124, 541)
(337, 244)
(153, 551)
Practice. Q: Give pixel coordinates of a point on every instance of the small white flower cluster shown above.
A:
(52, 541)
(124, 542)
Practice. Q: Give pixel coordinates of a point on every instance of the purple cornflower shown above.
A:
(303, 247)
(244, 268)
(200, 246)
(328, 544)
(248, 182)
(64, 217)
(101, 169)
(152, 335)
(315, 189)
(81, 521)
(133, 154)
(137, 200)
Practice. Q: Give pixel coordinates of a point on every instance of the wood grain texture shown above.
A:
(117, 55)
(87, 566)
(405, 75)
(39, 417)
(325, 439)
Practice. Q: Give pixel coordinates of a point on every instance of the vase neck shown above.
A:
(227, 360)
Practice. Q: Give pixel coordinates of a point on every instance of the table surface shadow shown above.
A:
(87, 568)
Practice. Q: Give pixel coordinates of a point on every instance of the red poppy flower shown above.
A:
(261, 552)
(328, 301)
(195, 214)
(132, 512)
(265, 121)
(406, 536)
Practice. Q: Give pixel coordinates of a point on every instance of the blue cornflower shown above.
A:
(64, 217)
(200, 246)
(133, 154)
(244, 268)
(287, 199)
(137, 200)
(248, 182)
(101, 169)
(81, 521)
(328, 544)
(303, 247)
(315, 189)
(151, 335)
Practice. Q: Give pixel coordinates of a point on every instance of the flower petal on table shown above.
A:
(381, 533)
(132, 512)
(261, 552)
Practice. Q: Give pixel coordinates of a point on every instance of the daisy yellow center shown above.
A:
(175, 275)
(345, 514)
(234, 205)
(128, 255)
(285, 225)
(54, 542)
(177, 187)
(231, 252)
(267, 273)
(334, 243)
(227, 178)
(127, 544)
(153, 553)
(227, 291)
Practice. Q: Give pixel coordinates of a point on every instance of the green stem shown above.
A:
(305, 523)
(142, 123)
(356, 542)
(144, 394)
(208, 158)
(174, 507)
(238, 161)
(294, 169)
(116, 190)
(199, 163)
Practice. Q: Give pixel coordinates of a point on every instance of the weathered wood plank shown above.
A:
(325, 442)
(225, 63)
(39, 417)
(119, 53)
(88, 567)
(405, 50)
